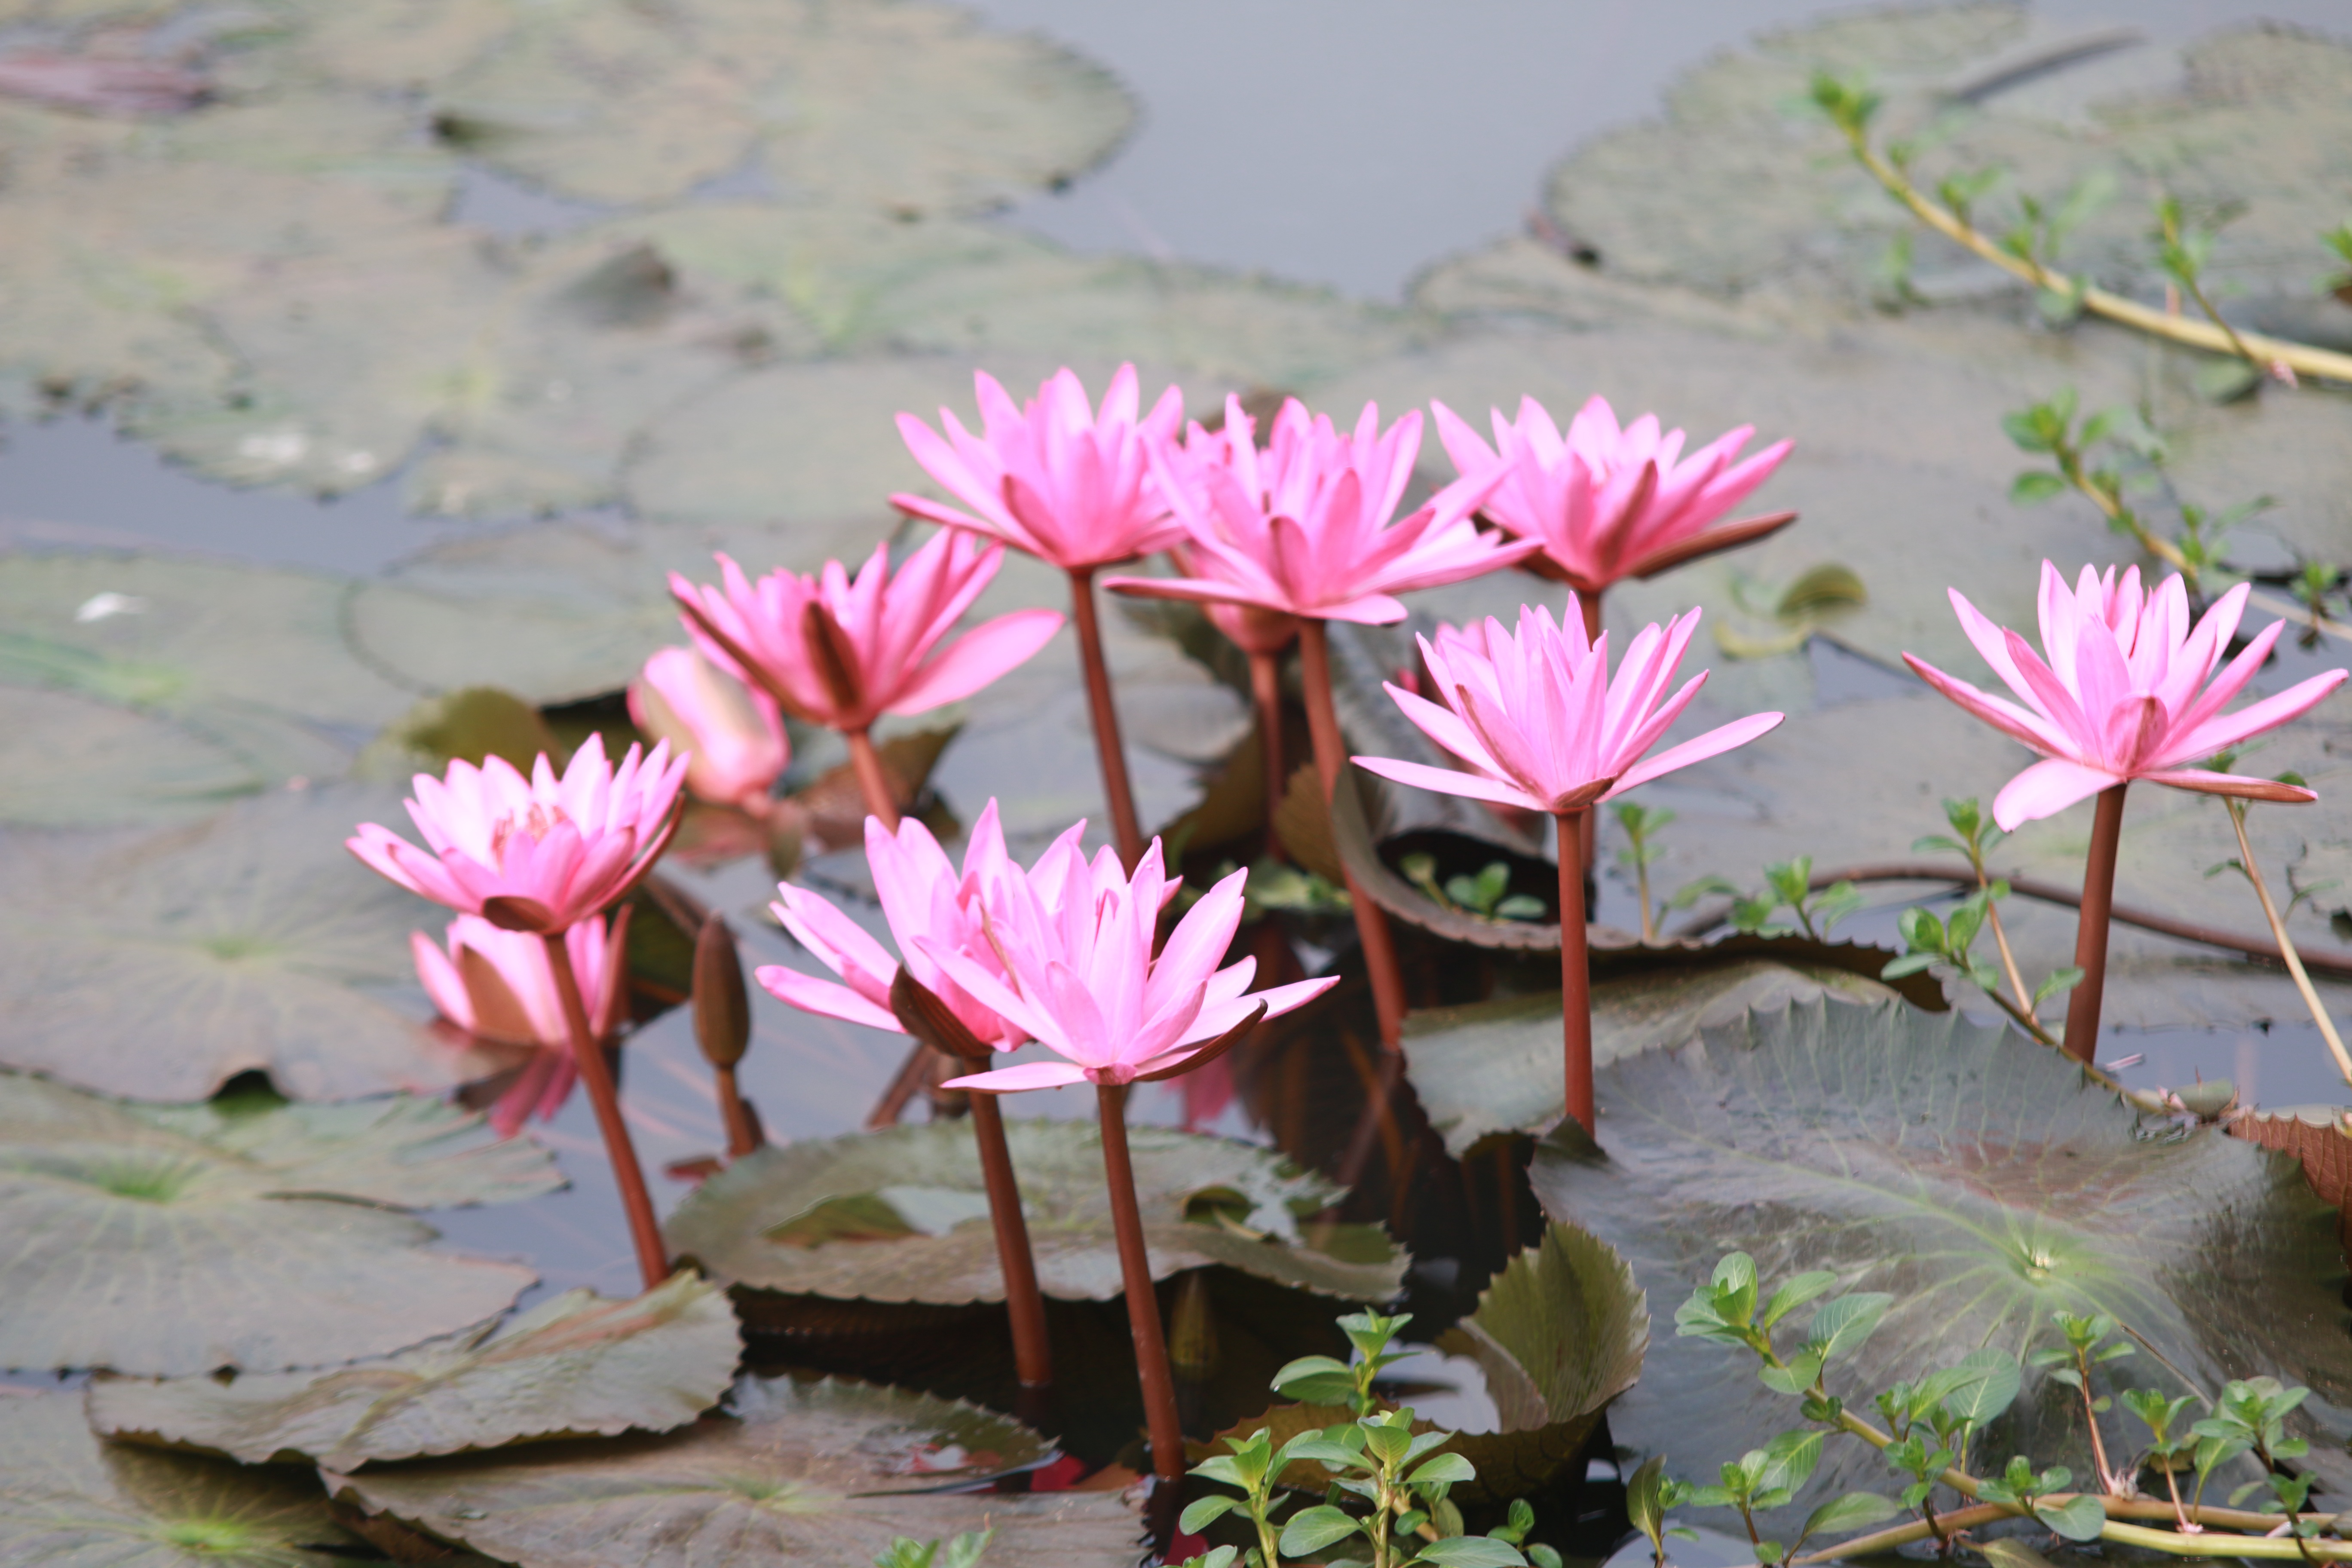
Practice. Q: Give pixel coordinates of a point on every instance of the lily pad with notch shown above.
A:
(577, 1364)
(824, 1474)
(173, 1240)
(1560, 1333)
(161, 964)
(72, 1499)
(901, 1215)
(1985, 1182)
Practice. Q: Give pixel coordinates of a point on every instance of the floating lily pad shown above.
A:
(824, 1474)
(73, 1500)
(1495, 1066)
(575, 1365)
(1981, 1178)
(71, 761)
(159, 966)
(178, 1240)
(901, 1215)
(1557, 1334)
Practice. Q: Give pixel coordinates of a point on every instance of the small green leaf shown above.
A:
(1446, 1469)
(1314, 1529)
(2036, 484)
(1794, 1293)
(1855, 1510)
(2079, 1519)
(2226, 380)
(1843, 1325)
(1316, 1380)
(1471, 1551)
(1205, 1512)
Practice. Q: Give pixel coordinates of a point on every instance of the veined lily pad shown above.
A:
(575, 1365)
(1557, 1334)
(902, 1216)
(178, 1240)
(162, 965)
(1981, 1178)
(72, 761)
(73, 1500)
(822, 1474)
(1495, 1066)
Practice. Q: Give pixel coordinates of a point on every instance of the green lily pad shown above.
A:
(1495, 1066)
(1557, 1334)
(73, 762)
(824, 1474)
(160, 965)
(74, 1500)
(169, 1241)
(576, 1365)
(558, 612)
(900, 1216)
(1984, 1181)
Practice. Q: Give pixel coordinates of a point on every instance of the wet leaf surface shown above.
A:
(576, 1365)
(1978, 1176)
(902, 1216)
(175, 1240)
(74, 762)
(73, 1500)
(821, 1473)
(160, 965)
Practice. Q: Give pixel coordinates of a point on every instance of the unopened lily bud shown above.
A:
(722, 1006)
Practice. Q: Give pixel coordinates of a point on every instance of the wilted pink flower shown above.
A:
(1078, 975)
(843, 652)
(1607, 503)
(730, 734)
(925, 899)
(540, 854)
(498, 984)
(2117, 698)
(1304, 527)
(1540, 720)
(1052, 478)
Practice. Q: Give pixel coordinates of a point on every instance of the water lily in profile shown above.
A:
(540, 854)
(842, 651)
(732, 735)
(497, 985)
(2125, 687)
(1608, 503)
(1072, 486)
(1541, 724)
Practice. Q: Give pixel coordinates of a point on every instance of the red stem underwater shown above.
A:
(1371, 920)
(1166, 1427)
(1575, 971)
(588, 1055)
(1033, 1358)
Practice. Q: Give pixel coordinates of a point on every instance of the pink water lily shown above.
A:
(731, 735)
(1308, 527)
(1541, 723)
(927, 900)
(1052, 478)
(497, 985)
(2120, 691)
(1078, 974)
(1607, 503)
(538, 854)
(843, 651)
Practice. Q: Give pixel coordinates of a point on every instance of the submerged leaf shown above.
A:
(175, 1240)
(824, 1474)
(901, 1215)
(575, 1365)
(1983, 1178)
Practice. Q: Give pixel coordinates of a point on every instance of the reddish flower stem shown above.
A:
(2091, 932)
(1166, 1428)
(1371, 920)
(1033, 1358)
(1575, 971)
(1125, 830)
(588, 1055)
(1265, 686)
(873, 778)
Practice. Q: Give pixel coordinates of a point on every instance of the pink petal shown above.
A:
(2046, 789)
(824, 997)
(1023, 1074)
(2218, 734)
(1445, 781)
(1738, 733)
(975, 658)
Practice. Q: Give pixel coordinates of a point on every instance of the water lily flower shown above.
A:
(2120, 691)
(1078, 974)
(925, 899)
(840, 651)
(1052, 478)
(1070, 486)
(538, 854)
(1607, 503)
(497, 985)
(731, 735)
(1542, 725)
(1308, 527)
